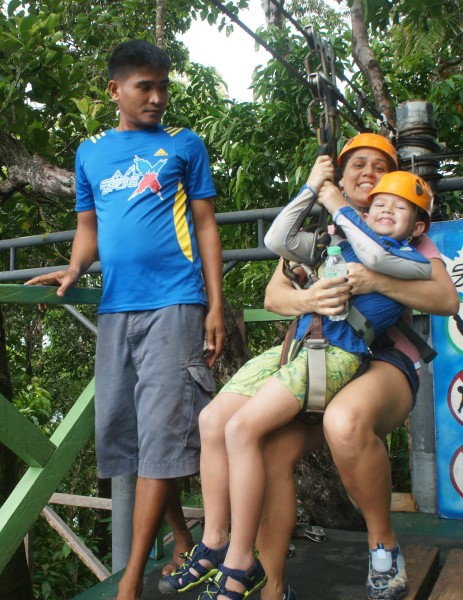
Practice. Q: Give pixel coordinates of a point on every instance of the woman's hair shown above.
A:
(137, 54)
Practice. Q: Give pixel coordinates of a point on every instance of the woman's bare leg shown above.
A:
(355, 423)
(282, 451)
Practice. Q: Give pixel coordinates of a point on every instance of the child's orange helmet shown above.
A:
(371, 140)
(407, 185)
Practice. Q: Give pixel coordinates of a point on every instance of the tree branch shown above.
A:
(368, 64)
(26, 170)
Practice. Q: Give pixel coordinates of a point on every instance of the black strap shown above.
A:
(426, 352)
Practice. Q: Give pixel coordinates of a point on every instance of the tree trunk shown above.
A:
(15, 581)
(26, 170)
(235, 352)
(322, 494)
(272, 15)
(160, 22)
(368, 64)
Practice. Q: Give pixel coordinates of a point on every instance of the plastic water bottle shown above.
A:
(335, 266)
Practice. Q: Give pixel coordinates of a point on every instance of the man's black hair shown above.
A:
(137, 54)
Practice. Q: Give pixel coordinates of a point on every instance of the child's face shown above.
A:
(394, 217)
(142, 98)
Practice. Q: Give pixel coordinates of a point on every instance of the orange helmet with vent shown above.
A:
(371, 140)
(407, 185)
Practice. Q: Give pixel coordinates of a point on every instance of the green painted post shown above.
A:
(23, 437)
(32, 493)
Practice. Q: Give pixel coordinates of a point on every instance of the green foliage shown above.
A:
(53, 56)
(397, 446)
(60, 574)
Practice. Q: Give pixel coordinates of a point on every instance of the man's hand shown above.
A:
(64, 279)
(215, 336)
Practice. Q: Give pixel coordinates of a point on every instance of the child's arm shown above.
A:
(376, 254)
(372, 250)
(284, 236)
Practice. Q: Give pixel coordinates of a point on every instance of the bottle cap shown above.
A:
(333, 250)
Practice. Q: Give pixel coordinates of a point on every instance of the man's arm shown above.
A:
(84, 251)
(210, 251)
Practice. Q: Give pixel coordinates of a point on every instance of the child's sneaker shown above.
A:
(387, 579)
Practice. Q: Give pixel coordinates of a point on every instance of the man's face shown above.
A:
(141, 97)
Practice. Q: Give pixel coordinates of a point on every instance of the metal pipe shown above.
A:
(80, 317)
(123, 496)
(423, 450)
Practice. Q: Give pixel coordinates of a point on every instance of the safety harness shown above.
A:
(315, 343)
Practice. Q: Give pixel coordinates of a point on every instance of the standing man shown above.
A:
(144, 202)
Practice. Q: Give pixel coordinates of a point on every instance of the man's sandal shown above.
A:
(253, 580)
(182, 579)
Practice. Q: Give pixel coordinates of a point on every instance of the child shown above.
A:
(400, 208)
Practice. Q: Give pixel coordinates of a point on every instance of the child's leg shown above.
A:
(272, 407)
(214, 466)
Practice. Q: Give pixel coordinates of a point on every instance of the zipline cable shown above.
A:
(260, 41)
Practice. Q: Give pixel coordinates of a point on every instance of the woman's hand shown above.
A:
(323, 170)
(360, 278)
(325, 296)
(328, 296)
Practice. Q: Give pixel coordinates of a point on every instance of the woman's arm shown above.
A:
(436, 296)
(285, 237)
(281, 297)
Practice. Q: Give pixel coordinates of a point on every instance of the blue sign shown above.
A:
(447, 340)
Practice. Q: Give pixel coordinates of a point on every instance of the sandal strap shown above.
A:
(202, 552)
(214, 589)
(253, 579)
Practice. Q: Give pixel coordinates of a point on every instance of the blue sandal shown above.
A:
(289, 593)
(182, 579)
(253, 580)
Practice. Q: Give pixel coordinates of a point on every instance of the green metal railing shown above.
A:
(48, 459)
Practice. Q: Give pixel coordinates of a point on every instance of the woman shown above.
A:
(353, 427)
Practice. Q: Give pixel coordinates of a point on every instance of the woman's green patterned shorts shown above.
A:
(341, 367)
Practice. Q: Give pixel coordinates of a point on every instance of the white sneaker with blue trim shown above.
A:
(387, 578)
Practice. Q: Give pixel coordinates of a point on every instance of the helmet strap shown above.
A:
(360, 209)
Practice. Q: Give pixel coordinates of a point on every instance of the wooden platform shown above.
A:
(337, 568)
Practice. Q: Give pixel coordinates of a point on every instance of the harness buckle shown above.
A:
(315, 343)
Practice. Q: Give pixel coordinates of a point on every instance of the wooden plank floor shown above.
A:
(337, 568)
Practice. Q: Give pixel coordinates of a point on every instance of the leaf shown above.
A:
(12, 6)
(82, 104)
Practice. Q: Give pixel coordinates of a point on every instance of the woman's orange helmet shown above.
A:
(371, 140)
(407, 185)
